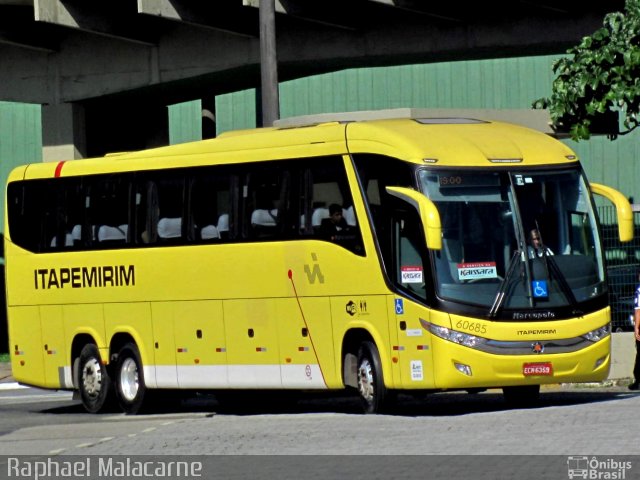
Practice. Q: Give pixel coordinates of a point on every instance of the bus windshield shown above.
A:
(515, 239)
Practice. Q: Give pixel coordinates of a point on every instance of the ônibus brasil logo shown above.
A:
(583, 466)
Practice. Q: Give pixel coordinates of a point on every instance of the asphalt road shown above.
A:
(567, 420)
(446, 435)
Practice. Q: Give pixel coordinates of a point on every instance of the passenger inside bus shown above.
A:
(536, 247)
(335, 226)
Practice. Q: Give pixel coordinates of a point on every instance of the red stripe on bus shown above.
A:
(58, 169)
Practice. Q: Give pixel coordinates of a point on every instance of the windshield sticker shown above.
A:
(477, 271)
(540, 289)
(521, 181)
(411, 274)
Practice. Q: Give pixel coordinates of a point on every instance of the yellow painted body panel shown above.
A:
(198, 330)
(305, 336)
(252, 336)
(411, 350)
(507, 370)
(512, 331)
(54, 342)
(25, 337)
(164, 339)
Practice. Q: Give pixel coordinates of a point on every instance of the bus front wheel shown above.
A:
(94, 383)
(130, 386)
(374, 396)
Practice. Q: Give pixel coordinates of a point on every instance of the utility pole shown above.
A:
(268, 63)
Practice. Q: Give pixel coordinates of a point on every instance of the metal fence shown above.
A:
(623, 266)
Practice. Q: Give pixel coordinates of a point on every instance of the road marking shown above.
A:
(57, 451)
(85, 445)
(59, 397)
(11, 386)
(160, 416)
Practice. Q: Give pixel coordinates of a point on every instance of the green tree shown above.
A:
(600, 79)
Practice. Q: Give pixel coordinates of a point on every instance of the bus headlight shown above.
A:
(598, 334)
(454, 336)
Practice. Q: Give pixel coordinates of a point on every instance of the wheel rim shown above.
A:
(129, 379)
(365, 380)
(92, 377)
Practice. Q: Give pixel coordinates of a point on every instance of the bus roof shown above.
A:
(401, 133)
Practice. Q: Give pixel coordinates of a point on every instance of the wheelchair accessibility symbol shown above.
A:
(399, 306)
(540, 289)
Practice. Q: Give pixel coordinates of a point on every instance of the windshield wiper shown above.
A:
(506, 281)
(562, 281)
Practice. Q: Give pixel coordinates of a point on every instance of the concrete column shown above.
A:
(268, 64)
(63, 132)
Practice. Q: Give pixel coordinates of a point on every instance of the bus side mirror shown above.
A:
(623, 209)
(428, 214)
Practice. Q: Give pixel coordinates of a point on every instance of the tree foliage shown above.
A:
(602, 76)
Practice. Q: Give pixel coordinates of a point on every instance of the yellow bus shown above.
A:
(379, 255)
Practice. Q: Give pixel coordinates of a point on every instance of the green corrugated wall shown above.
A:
(495, 83)
(185, 122)
(20, 140)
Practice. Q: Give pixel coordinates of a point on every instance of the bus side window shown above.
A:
(159, 211)
(64, 214)
(109, 210)
(24, 205)
(331, 187)
(145, 216)
(410, 271)
(170, 208)
(265, 190)
(209, 206)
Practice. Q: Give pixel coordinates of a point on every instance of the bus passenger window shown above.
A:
(109, 210)
(208, 206)
(170, 208)
(64, 214)
(265, 191)
(333, 215)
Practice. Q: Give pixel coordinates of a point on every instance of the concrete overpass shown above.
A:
(97, 63)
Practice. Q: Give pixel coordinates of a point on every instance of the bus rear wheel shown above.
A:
(374, 396)
(130, 386)
(94, 384)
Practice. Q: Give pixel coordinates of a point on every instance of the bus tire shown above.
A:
(94, 383)
(374, 396)
(521, 396)
(129, 378)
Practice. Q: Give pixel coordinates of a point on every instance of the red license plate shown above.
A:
(537, 369)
